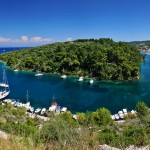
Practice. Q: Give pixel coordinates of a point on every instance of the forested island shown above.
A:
(102, 59)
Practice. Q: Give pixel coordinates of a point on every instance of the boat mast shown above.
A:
(27, 96)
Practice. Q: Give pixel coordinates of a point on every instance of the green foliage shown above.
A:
(81, 118)
(59, 132)
(102, 116)
(68, 118)
(99, 58)
(142, 109)
(87, 132)
(20, 111)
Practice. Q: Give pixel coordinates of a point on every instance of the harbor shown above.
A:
(56, 110)
(39, 113)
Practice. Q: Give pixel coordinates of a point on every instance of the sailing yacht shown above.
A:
(4, 86)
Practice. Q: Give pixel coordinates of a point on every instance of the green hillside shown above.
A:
(99, 58)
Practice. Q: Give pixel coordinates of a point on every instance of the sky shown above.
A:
(26, 23)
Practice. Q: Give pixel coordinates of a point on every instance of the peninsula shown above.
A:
(102, 59)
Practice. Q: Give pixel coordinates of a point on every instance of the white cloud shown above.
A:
(40, 39)
(4, 40)
(36, 39)
(69, 39)
(24, 38)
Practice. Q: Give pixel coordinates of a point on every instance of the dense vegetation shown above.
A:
(62, 132)
(102, 59)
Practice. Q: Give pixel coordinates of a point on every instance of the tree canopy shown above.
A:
(100, 58)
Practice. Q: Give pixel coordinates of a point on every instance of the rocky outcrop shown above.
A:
(4, 135)
(132, 147)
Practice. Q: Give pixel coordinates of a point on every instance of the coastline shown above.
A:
(89, 95)
(69, 76)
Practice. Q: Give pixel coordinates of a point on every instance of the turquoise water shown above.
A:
(80, 97)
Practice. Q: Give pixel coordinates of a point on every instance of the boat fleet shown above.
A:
(4, 92)
(43, 112)
(79, 80)
(122, 114)
(38, 74)
(55, 108)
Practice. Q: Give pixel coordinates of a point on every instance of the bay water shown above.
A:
(78, 96)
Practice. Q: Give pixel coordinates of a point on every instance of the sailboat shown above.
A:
(4, 86)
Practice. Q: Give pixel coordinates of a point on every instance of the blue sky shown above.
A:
(38, 22)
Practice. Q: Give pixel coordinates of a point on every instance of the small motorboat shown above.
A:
(15, 70)
(91, 81)
(38, 74)
(80, 79)
(64, 109)
(64, 76)
(43, 111)
(37, 110)
(31, 109)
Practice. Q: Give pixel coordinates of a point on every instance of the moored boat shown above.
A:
(4, 86)
(38, 74)
(91, 81)
(64, 76)
(80, 79)
(31, 109)
(37, 110)
(121, 115)
(64, 109)
(125, 111)
(116, 116)
(43, 111)
(3, 94)
(15, 70)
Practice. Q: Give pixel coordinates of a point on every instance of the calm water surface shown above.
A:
(114, 95)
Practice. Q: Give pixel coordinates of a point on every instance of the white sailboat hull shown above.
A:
(3, 94)
(4, 85)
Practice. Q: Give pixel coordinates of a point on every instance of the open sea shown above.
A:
(78, 97)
